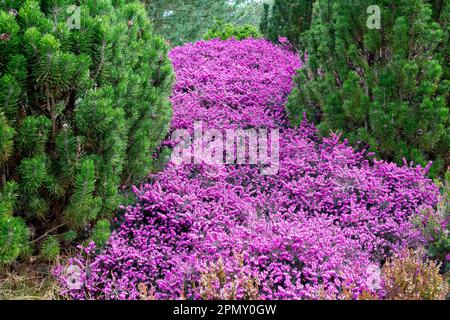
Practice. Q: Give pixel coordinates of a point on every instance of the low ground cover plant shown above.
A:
(322, 227)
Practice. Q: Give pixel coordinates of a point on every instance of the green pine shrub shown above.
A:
(82, 112)
(69, 236)
(101, 232)
(181, 21)
(50, 248)
(441, 13)
(13, 230)
(13, 238)
(224, 31)
(384, 87)
(287, 18)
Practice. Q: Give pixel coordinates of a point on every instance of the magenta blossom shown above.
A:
(322, 225)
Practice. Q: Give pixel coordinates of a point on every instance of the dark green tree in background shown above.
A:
(83, 108)
(387, 87)
(181, 21)
(223, 31)
(287, 18)
(441, 13)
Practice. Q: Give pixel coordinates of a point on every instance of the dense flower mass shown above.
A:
(231, 84)
(321, 226)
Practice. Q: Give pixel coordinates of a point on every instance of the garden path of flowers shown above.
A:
(321, 226)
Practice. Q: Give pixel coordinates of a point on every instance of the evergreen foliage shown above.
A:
(181, 21)
(441, 13)
(50, 248)
(287, 18)
(13, 230)
(82, 112)
(101, 232)
(386, 87)
(225, 31)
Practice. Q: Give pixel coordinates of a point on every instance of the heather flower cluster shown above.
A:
(323, 224)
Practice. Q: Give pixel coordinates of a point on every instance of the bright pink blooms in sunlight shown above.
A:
(322, 224)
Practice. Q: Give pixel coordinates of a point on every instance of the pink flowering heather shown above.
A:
(323, 224)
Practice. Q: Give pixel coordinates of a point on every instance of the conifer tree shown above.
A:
(441, 13)
(287, 18)
(223, 31)
(83, 108)
(386, 87)
(181, 21)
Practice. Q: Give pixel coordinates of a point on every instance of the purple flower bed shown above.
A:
(323, 224)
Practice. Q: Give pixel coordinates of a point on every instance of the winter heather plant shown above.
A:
(326, 222)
